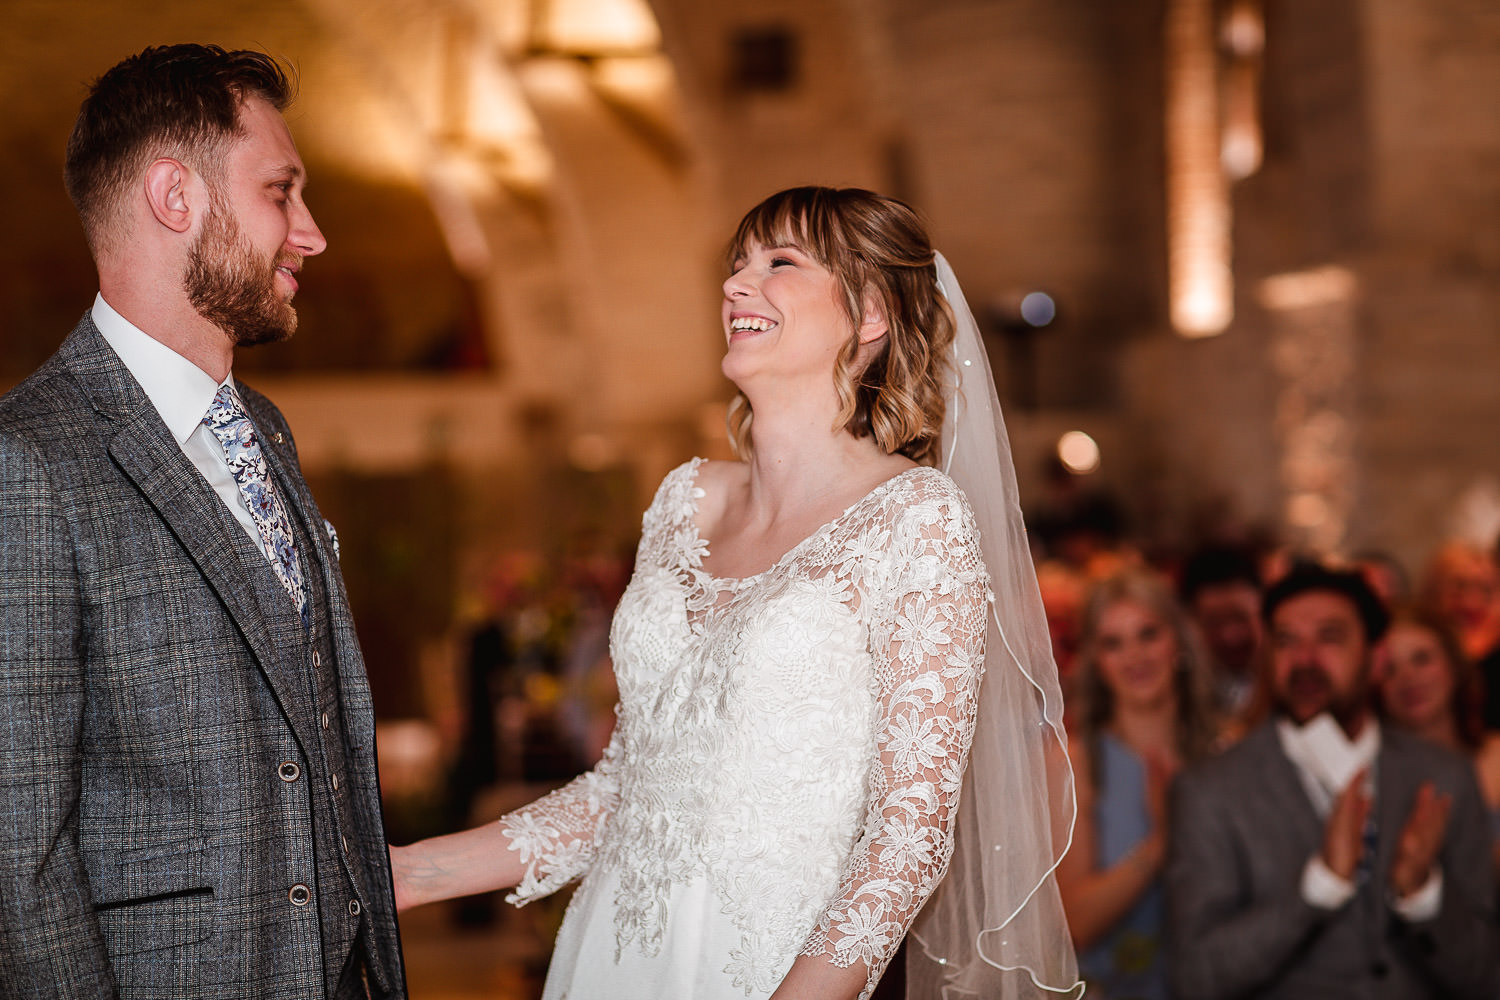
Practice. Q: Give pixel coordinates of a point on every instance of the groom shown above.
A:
(188, 795)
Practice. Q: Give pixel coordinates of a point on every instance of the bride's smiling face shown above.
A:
(782, 314)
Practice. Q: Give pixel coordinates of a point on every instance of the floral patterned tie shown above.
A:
(231, 425)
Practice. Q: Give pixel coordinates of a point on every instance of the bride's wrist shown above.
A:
(412, 878)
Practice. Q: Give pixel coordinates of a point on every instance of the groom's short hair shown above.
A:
(181, 101)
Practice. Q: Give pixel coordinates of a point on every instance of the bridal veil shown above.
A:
(995, 927)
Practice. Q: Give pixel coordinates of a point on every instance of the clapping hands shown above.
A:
(1417, 845)
(1343, 835)
(1421, 839)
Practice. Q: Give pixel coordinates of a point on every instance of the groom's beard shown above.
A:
(1308, 690)
(233, 288)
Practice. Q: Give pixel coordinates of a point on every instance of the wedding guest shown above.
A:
(1429, 688)
(1385, 575)
(1325, 855)
(1142, 710)
(1462, 585)
(1221, 589)
(799, 655)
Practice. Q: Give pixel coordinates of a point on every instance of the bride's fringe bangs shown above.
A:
(878, 245)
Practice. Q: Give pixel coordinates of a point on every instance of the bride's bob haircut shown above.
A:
(877, 246)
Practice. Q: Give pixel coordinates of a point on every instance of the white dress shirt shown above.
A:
(181, 393)
(1325, 762)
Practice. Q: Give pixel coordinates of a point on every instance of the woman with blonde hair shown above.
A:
(1141, 710)
(799, 658)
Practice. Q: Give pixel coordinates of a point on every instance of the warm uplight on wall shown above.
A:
(1313, 341)
(1303, 289)
(1244, 39)
(1307, 511)
(1201, 286)
(1078, 453)
(454, 187)
(595, 27)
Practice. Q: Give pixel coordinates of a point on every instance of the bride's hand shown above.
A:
(453, 865)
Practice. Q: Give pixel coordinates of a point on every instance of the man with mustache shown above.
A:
(188, 794)
(1323, 856)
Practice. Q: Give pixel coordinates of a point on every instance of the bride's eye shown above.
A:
(779, 261)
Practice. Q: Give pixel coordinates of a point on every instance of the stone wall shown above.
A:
(1028, 131)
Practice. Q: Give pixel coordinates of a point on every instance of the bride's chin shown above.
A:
(736, 368)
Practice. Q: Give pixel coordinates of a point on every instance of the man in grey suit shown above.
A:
(188, 794)
(1325, 856)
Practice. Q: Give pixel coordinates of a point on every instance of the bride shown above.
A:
(799, 657)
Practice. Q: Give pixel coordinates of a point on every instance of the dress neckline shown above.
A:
(699, 549)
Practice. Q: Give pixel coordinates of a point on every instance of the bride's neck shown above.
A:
(799, 458)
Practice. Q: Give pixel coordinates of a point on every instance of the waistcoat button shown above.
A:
(299, 895)
(353, 907)
(289, 771)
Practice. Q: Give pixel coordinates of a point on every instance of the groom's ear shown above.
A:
(175, 193)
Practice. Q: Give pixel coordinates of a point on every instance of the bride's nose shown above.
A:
(736, 286)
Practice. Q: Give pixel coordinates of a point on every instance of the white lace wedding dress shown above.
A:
(786, 757)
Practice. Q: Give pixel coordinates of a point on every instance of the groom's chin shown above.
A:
(268, 331)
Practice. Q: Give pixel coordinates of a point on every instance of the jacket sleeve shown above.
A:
(50, 942)
(1460, 947)
(1222, 945)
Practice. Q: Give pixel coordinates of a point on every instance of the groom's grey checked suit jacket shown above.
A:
(171, 735)
(1242, 829)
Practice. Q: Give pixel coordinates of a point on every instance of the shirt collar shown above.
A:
(1321, 749)
(179, 389)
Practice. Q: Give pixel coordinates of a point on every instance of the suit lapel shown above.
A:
(300, 499)
(1286, 796)
(150, 458)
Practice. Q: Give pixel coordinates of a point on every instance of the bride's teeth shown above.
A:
(751, 323)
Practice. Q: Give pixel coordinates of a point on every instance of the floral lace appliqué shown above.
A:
(796, 738)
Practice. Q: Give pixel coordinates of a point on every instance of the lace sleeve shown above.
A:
(555, 834)
(928, 641)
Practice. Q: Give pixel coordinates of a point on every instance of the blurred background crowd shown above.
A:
(1236, 263)
(1167, 662)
